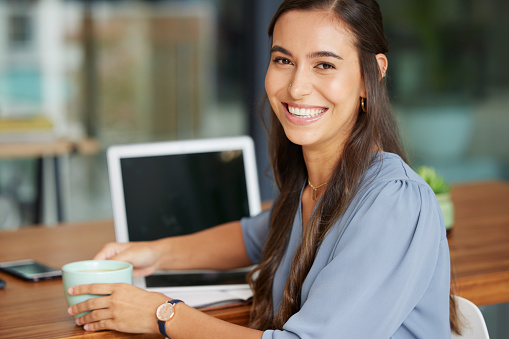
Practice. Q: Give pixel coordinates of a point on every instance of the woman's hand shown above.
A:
(144, 256)
(220, 247)
(124, 308)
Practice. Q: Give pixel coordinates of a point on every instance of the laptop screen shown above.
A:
(176, 194)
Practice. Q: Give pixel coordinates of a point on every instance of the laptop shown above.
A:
(164, 189)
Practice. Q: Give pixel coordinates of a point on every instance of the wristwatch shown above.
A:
(164, 313)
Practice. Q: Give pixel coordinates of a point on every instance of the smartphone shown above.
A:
(30, 270)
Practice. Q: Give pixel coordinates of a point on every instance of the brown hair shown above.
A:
(374, 128)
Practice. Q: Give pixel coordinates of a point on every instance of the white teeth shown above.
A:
(304, 112)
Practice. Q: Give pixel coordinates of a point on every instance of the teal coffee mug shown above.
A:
(93, 271)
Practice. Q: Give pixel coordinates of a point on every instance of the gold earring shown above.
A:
(363, 105)
(290, 85)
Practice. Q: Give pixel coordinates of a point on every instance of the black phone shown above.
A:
(30, 270)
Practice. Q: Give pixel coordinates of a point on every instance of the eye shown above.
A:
(325, 65)
(282, 61)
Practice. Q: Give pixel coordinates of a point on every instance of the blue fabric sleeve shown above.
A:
(385, 261)
(255, 231)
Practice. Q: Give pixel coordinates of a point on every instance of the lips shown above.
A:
(304, 114)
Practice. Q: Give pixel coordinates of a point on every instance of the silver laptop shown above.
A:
(180, 187)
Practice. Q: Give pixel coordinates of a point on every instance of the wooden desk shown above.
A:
(479, 248)
(479, 242)
(29, 309)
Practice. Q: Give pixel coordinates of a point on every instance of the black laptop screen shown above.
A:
(179, 194)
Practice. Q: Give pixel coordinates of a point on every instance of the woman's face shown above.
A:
(314, 82)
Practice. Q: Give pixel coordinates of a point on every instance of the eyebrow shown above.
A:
(277, 48)
(323, 54)
(319, 54)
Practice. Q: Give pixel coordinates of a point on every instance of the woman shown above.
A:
(354, 246)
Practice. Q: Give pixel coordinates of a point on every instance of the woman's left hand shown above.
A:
(124, 308)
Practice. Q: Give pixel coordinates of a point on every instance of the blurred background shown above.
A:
(112, 72)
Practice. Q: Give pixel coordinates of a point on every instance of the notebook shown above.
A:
(180, 187)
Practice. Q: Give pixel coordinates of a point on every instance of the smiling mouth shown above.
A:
(304, 112)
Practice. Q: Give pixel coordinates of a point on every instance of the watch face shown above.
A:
(165, 312)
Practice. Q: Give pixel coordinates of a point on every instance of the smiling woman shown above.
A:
(314, 84)
(354, 245)
(332, 127)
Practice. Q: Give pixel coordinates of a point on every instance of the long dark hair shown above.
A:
(375, 128)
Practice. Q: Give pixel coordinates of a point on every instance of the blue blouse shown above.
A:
(383, 269)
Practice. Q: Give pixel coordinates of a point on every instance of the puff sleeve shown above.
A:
(255, 231)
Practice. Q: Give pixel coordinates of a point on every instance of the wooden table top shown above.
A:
(38, 309)
(53, 148)
(35, 149)
(478, 244)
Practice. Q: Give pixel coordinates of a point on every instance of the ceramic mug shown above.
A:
(94, 271)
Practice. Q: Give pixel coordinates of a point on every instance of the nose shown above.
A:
(300, 85)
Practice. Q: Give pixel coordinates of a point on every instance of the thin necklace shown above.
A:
(315, 188)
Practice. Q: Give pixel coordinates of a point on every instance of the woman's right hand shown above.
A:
(144, 256)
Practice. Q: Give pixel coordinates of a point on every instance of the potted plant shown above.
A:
(442, 191)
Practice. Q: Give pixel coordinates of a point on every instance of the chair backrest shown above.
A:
(474, 326)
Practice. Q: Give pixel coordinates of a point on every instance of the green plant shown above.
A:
(436, 182)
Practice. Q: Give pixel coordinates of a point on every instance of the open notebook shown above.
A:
(179, 187)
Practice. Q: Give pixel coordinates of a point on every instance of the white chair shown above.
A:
(474, 326)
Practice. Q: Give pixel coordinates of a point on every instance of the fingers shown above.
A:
(143, 272)
(110, 250)
(123, 255)
(97, 320)
(102, 289)
(140, 254)
(89, 304)
(95, 316)
(107, 324)
(117, 251)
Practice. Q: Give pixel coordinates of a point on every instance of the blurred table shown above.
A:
(51, 150)
(38, 309)
(479, 242)
(479, 250)
(35, 149)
